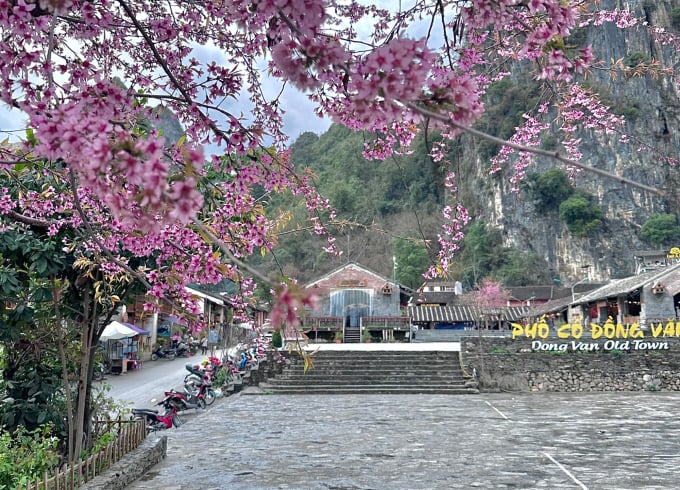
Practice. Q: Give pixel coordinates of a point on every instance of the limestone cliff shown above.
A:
(652, 107)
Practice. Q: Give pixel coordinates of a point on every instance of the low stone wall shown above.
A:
(573, 366)
(153, 450)
(132, 466)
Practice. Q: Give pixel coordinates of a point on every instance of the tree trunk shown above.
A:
(64, 369)
(86, 336)
(67, 394)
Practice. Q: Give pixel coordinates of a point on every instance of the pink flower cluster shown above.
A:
(291, 301)
(559, 67)
(387, 79)
(138, 191)
(531, 29)
(458, 94)
(529, 135)
(456, 218)
(131, 173)
(309, 62)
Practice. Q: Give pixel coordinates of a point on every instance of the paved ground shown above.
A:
(602, 441)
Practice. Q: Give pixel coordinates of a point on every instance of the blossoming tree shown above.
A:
(87, 74)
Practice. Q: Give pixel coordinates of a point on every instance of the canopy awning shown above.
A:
(116, 331)
(137, 329)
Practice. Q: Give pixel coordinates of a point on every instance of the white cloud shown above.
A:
(12, 123)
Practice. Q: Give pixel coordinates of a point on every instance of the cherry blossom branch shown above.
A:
(223, 247)
(93, 236)
(27, 220)
(536, 151)
(166, 69)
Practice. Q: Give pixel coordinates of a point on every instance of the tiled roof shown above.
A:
(540, 293)
(554, 306)
(671, 282)
(670, 277)
(454, 314)
(441, 297)
(458, 314)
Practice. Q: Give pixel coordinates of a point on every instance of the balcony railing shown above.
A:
(386, 322)
(335, 323)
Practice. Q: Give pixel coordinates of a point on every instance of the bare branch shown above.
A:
(537, 151)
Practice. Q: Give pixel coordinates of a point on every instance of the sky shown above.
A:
(299, 116)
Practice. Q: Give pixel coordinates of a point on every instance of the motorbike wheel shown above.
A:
(154, 425)
(209, 397)
(154, 356)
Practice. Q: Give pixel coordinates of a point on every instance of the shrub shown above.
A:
(635, 59)
(580, 215)
(675, 17)
(25, 455)
(548, 190)
(277, 340)
(661, 229)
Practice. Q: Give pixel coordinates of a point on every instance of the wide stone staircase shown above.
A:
(373, 372)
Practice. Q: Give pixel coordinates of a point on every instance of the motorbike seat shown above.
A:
(144, 411)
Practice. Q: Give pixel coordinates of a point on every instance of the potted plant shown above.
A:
(366, 336)
(338, 337)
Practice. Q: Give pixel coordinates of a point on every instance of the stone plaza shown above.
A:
(598, 441)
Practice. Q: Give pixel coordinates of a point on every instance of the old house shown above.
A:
(353, 301)
(644, 299)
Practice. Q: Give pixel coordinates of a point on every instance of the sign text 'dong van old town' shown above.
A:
(610, 336)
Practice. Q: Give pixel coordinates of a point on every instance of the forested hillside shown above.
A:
(389, 211)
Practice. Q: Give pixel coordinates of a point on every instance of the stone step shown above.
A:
(385, 353)
(390, 382)
(361, 372)
(377, 367)
(373, 377)
(362, 363)
(370, 390)
(372, 373)
(383, 360)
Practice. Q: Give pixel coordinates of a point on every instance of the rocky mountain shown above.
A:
(166, 122)
(652, 109)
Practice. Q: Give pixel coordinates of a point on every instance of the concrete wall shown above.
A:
(655, 306)
(512, 365)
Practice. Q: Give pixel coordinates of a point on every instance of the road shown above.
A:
(141, 386)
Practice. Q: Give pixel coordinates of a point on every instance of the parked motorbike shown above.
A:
(195, 376)
(160, 353)
(156, 420)
(182, 350)
(197, 384)
(234, 374)
(210, 366)
(193, 397)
